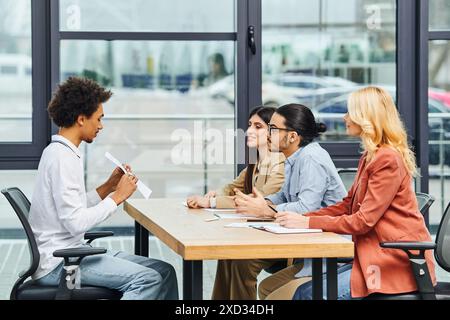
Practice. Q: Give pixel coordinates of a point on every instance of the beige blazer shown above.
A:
(268, 177)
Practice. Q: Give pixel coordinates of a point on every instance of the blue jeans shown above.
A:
(304, 292)
(138, 278)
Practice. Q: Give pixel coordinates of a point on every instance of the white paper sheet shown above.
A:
(143, 189)
(276, 228)
(248, 224)
(233, 216)
(220, 210)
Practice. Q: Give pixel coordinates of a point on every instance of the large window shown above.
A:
(174, 67)
(184, 79)
(439, 14)
(171, 67)
(148, 15)
(14, 253)
(172, 108)
(316, 56)
(439, 106)
(15, 71)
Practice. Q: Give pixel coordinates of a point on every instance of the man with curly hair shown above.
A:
(61, 210)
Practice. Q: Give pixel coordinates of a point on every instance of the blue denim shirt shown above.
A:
(311, 181)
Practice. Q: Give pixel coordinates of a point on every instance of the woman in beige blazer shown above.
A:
(267, 175)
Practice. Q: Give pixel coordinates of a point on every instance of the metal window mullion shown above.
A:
(407, 93)
(439, 35)
(147, 36)
(423, 87)
(54, 53)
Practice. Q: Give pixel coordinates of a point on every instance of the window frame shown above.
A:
(425, 35)
(247, 65)
(413, 36)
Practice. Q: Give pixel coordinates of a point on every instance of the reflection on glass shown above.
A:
(317, 51)
(148, 15)
(439, 124)
(439, 14)
(170, 115)
(15, 71)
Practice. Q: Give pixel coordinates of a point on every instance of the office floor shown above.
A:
(16, 257)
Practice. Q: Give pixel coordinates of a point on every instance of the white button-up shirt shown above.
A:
(61, 211)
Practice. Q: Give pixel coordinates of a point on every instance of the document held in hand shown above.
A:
(143, 189)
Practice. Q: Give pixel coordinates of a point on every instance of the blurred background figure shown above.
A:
(217, 70)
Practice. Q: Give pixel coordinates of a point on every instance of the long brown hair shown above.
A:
(265, 113)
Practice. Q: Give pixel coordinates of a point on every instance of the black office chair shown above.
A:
(30, 290)
(419, 267)
(348, 177)
(424, 201)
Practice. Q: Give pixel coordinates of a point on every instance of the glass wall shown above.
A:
(15, 126)
(439, 14)
(14, 254)
(317, 51)
(171, 115)
(148, 15)
(15, 71)
(439, 127)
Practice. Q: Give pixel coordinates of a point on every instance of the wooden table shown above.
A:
(187, 233)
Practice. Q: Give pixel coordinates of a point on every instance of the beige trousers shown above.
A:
(237, 279)
(282, 285)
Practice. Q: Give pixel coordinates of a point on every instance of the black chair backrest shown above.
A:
(442, 252)
(424, 201)
(21, 206)
(348, 177)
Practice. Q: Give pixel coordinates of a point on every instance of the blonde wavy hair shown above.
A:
(374, 110)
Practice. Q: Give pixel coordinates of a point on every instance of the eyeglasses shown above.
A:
(271, 129)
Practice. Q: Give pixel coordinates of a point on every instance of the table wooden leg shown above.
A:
(144, 242)
(332, 279)
(192, 280)
(140, 240)
(137, 238)
(317, 286)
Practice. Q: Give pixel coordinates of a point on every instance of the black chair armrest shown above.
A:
(345, 260)
(418, 263)
(91, 236)
(78, 252)
(68, 281)
(409, 245)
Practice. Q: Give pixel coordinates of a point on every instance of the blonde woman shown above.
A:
(380, 206)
